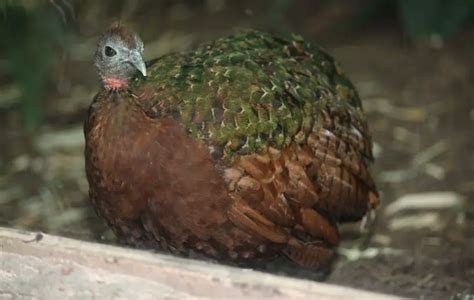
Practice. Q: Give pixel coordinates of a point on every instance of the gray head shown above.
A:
(118, 57)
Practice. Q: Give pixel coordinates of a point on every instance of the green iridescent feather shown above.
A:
(252, 90)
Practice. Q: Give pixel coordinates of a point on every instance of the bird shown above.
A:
(246, 148)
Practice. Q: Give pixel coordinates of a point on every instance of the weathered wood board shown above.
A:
(43, 266)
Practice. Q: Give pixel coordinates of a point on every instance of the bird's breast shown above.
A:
(119, 160)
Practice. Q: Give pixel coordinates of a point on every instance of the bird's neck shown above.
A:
(118, 112)
(114, 83)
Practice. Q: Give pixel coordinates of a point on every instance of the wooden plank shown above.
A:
(41, 266)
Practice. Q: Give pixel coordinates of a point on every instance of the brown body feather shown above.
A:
(157, 187)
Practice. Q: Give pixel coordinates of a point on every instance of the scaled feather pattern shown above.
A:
(245, 148)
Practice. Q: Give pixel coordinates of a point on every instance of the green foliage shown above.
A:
(29, 38)
(421, 18)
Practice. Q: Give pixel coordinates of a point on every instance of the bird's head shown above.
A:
(118, 57)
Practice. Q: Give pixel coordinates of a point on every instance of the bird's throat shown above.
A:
(111, 83)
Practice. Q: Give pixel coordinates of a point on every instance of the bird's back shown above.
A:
(252, 90)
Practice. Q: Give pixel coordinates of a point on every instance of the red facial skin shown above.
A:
(111, 83)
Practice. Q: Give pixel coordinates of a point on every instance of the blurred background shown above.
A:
(412, 62)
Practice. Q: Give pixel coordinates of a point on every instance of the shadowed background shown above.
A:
(412, 62)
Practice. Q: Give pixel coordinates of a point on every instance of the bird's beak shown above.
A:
(136, 59)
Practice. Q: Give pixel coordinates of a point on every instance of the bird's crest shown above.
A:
(119, 29)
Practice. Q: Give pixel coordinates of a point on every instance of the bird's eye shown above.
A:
(109, 51)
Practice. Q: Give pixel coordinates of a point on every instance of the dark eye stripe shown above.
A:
(109, 51)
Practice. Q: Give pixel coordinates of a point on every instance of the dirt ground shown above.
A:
(421, 111)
